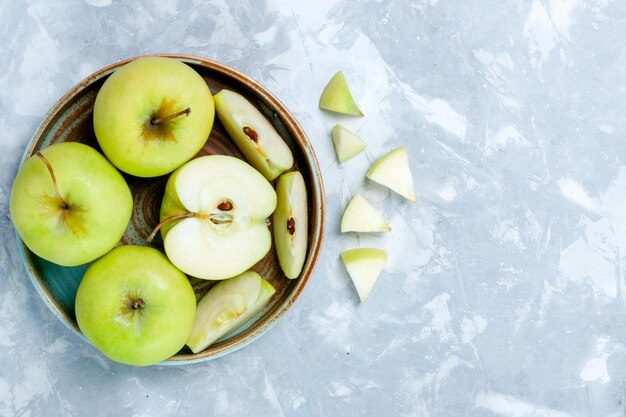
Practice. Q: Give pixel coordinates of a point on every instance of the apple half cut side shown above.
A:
(346, 143)
(152, 115)
(291, 223)
(360, 216)
(364, 266)
(69, 204)
(213, 217)
(135, 306)
(227, 306)
(337, 97)
(253, 134)
(392, 170)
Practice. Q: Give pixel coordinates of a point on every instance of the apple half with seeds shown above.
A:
(337, 97)
(291, 223)
(392, 170)
(346, 143)
(360, 216)
(364, 266)
(227, 306)
(253, 134)
(213, 217)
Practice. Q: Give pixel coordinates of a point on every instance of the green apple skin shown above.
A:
(227, 306)
(337, 97)
(393, 171)
(360, 216)
(291, 238)
(147, 88)
(99, 204)
(268, 152)
(198, 246)
(142, 277)
(346, 143)
(364, 266)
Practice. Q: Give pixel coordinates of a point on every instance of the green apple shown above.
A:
(213, 217)
(291, 223)
(347, 144)
(227, 306)
(337, 97)
(392, 170)
(360, 216)
(152, 115)
(364, 266)
(253, 134)
(69, 204)
(135, 306)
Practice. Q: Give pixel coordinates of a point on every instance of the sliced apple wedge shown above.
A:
(338, 98)
(364, 266)
(227, 306)
(253, 134)
(291, 223)
(392, 170)
(213, 217)
(360, 216)
(347, 144)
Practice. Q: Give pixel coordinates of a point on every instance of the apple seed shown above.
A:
(291, 226)
(251, 134)
(225, 206)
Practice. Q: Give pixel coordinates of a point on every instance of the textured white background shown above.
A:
(505, 291)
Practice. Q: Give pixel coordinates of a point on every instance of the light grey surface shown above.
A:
(505, 292)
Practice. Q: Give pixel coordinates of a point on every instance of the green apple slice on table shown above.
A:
(135, 306)
(337, 97)
(69, 204)
(346, 143)
(253, 134)
(152, 115)
(392, 170)
(227, 306)
(213, 217)
(360, 216)
(364, 266)
(291, 223)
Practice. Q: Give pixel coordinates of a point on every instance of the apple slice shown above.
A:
(291, 223)
(213, 217)
(255, 137)
(338, 98)
(360, 216)
(364, 266)
(347, 144)
(392, 170)
(227, 306)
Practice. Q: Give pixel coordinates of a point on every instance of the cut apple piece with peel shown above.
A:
(338, 98)
(392, 170)
(227, 306)
(253, 134)
(213, 217)
(364, 266)
(347, 144)
(291, 223)
(360, 216)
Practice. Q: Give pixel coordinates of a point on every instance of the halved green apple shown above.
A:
(392, 170)
(213, 217)
(347, 144)
(291, 223)
(253, 134)
(360, 216)
(338, 98)
(227, 306)
(364, 266)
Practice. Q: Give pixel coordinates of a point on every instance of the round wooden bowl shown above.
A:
(71, 120)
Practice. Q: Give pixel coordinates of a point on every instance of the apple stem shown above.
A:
(170, 117)
(54, 180)
(175, 217)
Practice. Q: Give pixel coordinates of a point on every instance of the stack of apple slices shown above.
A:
(392, 170)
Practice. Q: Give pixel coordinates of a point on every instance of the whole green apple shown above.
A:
(135, 306)
(69, 204)
(153, 115)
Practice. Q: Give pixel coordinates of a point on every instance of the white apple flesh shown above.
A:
(360, 216)
(213, 217)
(227, 306)
(253, 134)
(393, 171)
(346, 143)
(364, 266)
